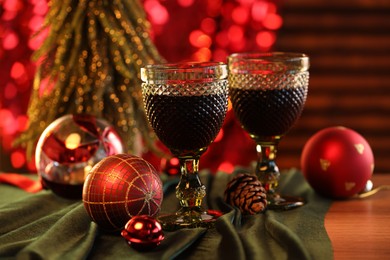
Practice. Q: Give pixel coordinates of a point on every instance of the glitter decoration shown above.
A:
(89, 64)
(119, 187)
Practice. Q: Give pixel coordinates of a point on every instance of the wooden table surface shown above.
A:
(360, 228)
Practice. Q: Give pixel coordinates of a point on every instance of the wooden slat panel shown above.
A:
(368, 122)
(356, 5)
(349, 45)
(354, 61)
(333, 42)
(372, 22)
(349, 103)
(341, 83)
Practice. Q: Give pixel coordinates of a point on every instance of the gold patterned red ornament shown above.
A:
(120, 187)
(337, 162)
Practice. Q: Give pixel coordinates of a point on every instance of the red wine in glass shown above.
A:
(268, 92)
(186, 124)
(186, 104)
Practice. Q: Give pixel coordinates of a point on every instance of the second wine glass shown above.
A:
(186, 104)
(268, 92)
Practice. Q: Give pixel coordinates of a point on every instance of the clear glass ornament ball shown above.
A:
(68, 149)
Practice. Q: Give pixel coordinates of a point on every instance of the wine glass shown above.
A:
(268, 92)
(186, 105)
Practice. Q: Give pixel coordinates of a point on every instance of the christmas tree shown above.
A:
(89, 64)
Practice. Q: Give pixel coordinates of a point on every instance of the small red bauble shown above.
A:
(120, 187)
(337, 162)
(143, 232)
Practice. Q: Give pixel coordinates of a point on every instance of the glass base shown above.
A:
(189, 218)
(278, 202)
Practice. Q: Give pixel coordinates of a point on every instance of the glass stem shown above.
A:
(266, 169)
(190, 190)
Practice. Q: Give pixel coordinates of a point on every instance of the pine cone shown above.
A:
(246, 193)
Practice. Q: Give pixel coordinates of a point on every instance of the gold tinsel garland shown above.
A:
(92, 56)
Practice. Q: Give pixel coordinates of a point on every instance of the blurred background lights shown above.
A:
(199, 30)
(10, 91)
(18, 158)
(185, 3)
(240, 15)
(17, 70)
(157, 13)
(226, 167)
(272, 21)
(208, 25)
(259, 10)
(265, 39)
(10, 40)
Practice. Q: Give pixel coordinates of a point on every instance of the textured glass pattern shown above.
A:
(268, 104)
(186, 117)
(268, 91)
(185, 103)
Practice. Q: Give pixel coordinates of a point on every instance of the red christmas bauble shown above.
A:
(120, 187)
(143, 232)
(337, 162)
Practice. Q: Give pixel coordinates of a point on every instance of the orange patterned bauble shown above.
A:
(120, 187)
(337, 162)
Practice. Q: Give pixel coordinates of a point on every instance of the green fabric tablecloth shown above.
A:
(45, 226)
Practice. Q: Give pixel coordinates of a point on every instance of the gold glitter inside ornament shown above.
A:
(90, 63)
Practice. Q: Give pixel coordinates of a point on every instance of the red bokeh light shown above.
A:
(8, 125)
(10, 41)
(219, 54)
(208, 25)
(273, 22)
(17, 70)
(10, 91)
(235, 33)
(265, 39)
(202, 54)
(6, 118)
(35, 22)
(22, 122)
(200, 40)
(40, 7)
(259, 10)
(182, 30)
(185, 3)
(222, 39)
(157, 12)
(240, 15)
(214, 7)
(226, 167)
(18, 159)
